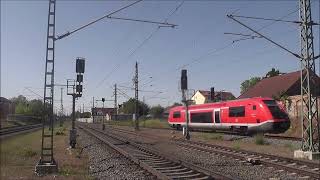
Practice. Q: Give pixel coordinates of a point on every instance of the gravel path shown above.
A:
(105, 163)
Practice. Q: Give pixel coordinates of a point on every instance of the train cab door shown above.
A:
(217, 117)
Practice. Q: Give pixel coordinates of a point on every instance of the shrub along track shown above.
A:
(306, 169)
(160, 165)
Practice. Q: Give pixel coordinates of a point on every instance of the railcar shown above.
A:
(249, 116)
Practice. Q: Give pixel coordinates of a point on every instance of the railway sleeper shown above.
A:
(173, 170)
(168, 168)
(187, 176)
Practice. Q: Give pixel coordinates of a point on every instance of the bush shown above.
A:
(259, 139)
(61, 131)
(236, 145)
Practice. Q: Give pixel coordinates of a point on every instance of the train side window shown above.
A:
(203, 117)
(254, 107)
(176, 114)
(237, 111)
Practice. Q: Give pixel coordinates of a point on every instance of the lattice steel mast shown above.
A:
(309, 108)
(47, 163)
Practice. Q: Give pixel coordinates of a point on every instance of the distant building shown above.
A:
(99, 113)
(286, 84)
(201, 97)
(6, 107)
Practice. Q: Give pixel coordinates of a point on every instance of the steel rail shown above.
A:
(171, 167)
(16, 129)
(308, 168)
(291, 165)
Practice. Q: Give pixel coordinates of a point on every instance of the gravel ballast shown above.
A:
(106, 163)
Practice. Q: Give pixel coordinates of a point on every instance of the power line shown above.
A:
(205, 55)
(105, 16)
(269, 24)
(140, 45)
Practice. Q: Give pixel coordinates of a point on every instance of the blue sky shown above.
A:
(111, 43)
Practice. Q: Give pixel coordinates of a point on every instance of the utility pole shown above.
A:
(184, 89)
(61, 107)
(93, 110)
(82, 108)
(115, 102)
(310, 115)
(136, 95)
(103, 125)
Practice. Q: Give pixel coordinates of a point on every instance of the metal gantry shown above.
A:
(309, 87)
(47, 163)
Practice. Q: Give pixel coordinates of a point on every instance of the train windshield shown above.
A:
(275, 110)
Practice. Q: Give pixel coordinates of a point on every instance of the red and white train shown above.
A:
(252, 115)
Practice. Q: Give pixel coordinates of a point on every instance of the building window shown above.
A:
(237, 111)
(254, 107)
(176, 114)
(204, 117)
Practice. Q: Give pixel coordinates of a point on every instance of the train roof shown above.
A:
(222, 102)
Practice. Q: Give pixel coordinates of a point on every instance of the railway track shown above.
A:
(268, 136)
(304, 168)
(307, 169)
(18, 129)
(160, 165)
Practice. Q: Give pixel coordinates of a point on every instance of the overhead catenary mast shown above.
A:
(310, 145)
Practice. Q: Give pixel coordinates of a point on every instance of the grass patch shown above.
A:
(121, 123)
(211, 136)
(154, 123)
(150, 123)
(236, 145)
(289, 146)
(259, 140)
(66, 170)
(20, 153)
(27, 152)
(60, 131)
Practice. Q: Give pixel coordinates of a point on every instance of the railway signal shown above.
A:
(74, 88)
(184, 89)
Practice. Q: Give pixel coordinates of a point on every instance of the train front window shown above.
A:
(176, 114)
(276, 112)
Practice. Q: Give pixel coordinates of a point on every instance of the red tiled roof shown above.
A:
(273, 86)
(104, 111)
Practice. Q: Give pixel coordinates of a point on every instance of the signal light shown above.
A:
(80, 65)
(184, 79)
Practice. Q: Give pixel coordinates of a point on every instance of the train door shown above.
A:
(217, 116)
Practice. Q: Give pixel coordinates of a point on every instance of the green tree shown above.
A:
(156, 111)
(273, 73)
(19, 99)
(128, 107)
(176, 104)
(245, 85)
(35, 107)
